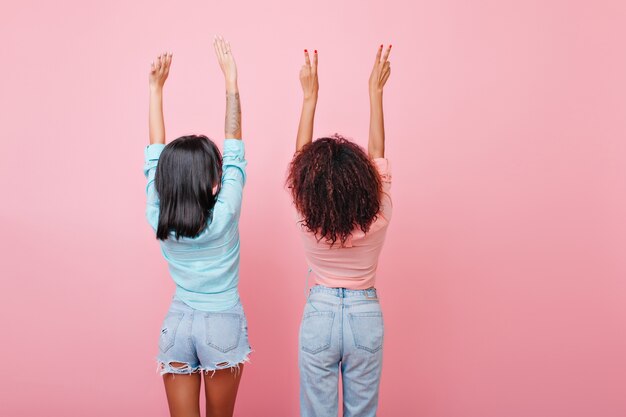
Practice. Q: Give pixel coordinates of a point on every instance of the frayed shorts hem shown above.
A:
(185, 369)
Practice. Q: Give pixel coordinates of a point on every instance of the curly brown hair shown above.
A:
(335, 188)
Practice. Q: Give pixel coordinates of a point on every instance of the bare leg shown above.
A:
(221, 391)
(183, 393)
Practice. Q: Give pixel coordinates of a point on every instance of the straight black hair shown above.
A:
(189, 168)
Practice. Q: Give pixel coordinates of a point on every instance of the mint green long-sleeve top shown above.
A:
(205, 268)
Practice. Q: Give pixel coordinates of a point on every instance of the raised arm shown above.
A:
(378, 78)
(232, 124)
(159, 70)
(310, 87)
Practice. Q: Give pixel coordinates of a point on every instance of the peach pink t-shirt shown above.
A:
(354, 264)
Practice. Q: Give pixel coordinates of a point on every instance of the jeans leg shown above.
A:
(318, 358)
(361, 364)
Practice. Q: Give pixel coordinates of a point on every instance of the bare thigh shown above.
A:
(183, 394)
(220, 389)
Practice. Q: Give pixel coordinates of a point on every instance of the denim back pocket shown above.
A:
(367, 330)
(168, 330)
(223, 330)
(316, 331)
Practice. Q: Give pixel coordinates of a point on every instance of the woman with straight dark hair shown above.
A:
(194, 202)
(341, 194)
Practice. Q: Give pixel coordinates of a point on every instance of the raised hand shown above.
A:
(308, 76)
(378, 78)
(380, 72)
(159, 70)
(232, 123)
(226, 60)
(310, 86)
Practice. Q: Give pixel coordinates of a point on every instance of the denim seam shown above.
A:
(190, 338)
(328, 303)
(341, 330)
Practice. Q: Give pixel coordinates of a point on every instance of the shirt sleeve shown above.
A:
(151, 159)
(233, 176)
(384, 170)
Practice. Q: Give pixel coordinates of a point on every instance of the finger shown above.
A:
(387, 52)
(386, 76)
(228, 51)
(218, 49)
(162, 63)
(157, 63)
(220, 43)
(307, 60)
(315, 61)
(152, 67)
(215, 48)
(379, 53)
(216, 42)
(169, 62)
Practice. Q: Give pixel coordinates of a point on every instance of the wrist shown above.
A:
(310, 98)
(155, 89)
(376, 93)
(231, 86)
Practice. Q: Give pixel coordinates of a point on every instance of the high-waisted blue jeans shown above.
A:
(340, 329)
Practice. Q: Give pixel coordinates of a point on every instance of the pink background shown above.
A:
(503, 277)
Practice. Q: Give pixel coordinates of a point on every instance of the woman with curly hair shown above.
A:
(341, 194)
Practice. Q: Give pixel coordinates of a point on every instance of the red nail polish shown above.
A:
(306, 50)
(390, 46)
(381, 45)
(315, 51)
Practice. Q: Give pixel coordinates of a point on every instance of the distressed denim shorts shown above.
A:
(194, 340)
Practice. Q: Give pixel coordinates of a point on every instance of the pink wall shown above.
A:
(502, 280)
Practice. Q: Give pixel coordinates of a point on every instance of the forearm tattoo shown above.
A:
(233, 115)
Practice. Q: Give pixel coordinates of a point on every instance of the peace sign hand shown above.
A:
(308, 76)
(381, 71)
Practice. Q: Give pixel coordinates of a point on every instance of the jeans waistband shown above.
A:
(343, 292)
(179, 305)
